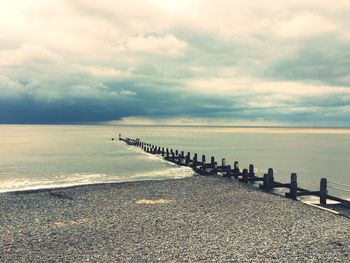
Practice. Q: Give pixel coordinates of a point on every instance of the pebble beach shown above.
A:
(196, 219)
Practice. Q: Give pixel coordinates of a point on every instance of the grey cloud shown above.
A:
(319, 60)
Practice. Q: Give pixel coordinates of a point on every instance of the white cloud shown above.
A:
(304, 24)
(241, 85)
(27, 53)
(167, 45)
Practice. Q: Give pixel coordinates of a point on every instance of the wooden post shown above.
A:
(223, 163)
(323, 191)
(195, 160)
(180, 159)
(188, 158)
(245, 176)
(251, 171)
(236, 167)
(213, 166)
(172, 156)
(167, 152)
(268, 180)
(203, 167)
(293, 186)
(272, 179)
(176, 152)
(203, 160)
(120, 136)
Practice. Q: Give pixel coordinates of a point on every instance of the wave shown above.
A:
(86, 179)
(150, 157)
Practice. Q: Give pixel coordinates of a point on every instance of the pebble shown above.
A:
(207, 219)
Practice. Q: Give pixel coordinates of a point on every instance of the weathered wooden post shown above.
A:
(176, 152)
(195, 160)
(213, 166)
(323, 191)
(180, 159)
(172, 156)
(245, 176)
(163, 152)
(272, 179)
(167, 153)
(236, 167)
(293, 186)
(203, 167)
(268, 180)
(188, 158)
(120, 137)
(203, 160)
(223, 163)
(212, 161)
(251, 171)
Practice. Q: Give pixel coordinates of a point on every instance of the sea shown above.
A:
(52, 156)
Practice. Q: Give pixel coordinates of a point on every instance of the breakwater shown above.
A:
(267, 182)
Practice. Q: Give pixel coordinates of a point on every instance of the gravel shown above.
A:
(197, 219)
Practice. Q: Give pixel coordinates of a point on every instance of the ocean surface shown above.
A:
(49, 156)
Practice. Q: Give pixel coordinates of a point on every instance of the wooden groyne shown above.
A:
(202, 166)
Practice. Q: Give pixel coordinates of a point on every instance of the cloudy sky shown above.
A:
(175, 62)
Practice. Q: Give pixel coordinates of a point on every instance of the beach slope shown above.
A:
(196, 219)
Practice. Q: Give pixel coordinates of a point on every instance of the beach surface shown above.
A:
(197, 219)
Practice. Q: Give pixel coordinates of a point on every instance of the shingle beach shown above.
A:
(197, 219)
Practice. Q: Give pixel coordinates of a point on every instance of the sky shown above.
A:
(183, 62)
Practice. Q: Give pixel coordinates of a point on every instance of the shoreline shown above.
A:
(331, 208)
(32, 191)
(195, 218)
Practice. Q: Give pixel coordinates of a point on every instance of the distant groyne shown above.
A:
(267, 182)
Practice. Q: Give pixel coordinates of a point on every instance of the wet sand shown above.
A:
(197, 219)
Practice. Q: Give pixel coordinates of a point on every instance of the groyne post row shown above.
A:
(202, 167)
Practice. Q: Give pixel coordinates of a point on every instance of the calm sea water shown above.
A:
(42, 156)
